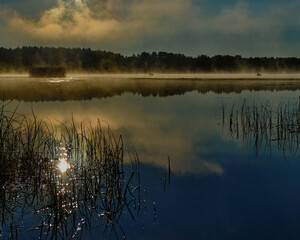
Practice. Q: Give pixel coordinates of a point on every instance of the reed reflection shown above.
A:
(59, 183)
(264, 127)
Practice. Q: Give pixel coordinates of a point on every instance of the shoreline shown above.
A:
(174, 76)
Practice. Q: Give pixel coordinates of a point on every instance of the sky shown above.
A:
(192, 27)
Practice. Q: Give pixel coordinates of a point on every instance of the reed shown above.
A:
(95, 188)
(263, 126)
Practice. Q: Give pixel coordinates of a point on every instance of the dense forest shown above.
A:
(87, 60)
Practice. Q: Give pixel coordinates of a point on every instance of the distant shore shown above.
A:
(175, 76)
(98, 61)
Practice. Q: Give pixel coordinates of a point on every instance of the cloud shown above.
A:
(249, 30)
(241, 20)
(61, 23)
(151, 25)
(237, 21)
(101, 21)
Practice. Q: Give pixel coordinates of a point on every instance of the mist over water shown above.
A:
(87, 87)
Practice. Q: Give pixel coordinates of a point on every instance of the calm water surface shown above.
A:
(199, 180)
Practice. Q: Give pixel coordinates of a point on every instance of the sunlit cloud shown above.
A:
(76, 21)
(61, 23)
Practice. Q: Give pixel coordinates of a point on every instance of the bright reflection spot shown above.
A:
(63, 165)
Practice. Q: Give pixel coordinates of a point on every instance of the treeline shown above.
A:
(87, 60)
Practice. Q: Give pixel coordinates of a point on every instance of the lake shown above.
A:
(209, 158)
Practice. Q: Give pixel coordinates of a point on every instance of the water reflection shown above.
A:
(63, 165)
(63, 183)
(218, 188)
(156, 127)
(263, 126)
(87, 88)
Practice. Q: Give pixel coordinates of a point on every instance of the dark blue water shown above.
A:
(217, 187)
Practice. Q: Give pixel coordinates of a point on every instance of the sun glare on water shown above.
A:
(63, 165)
